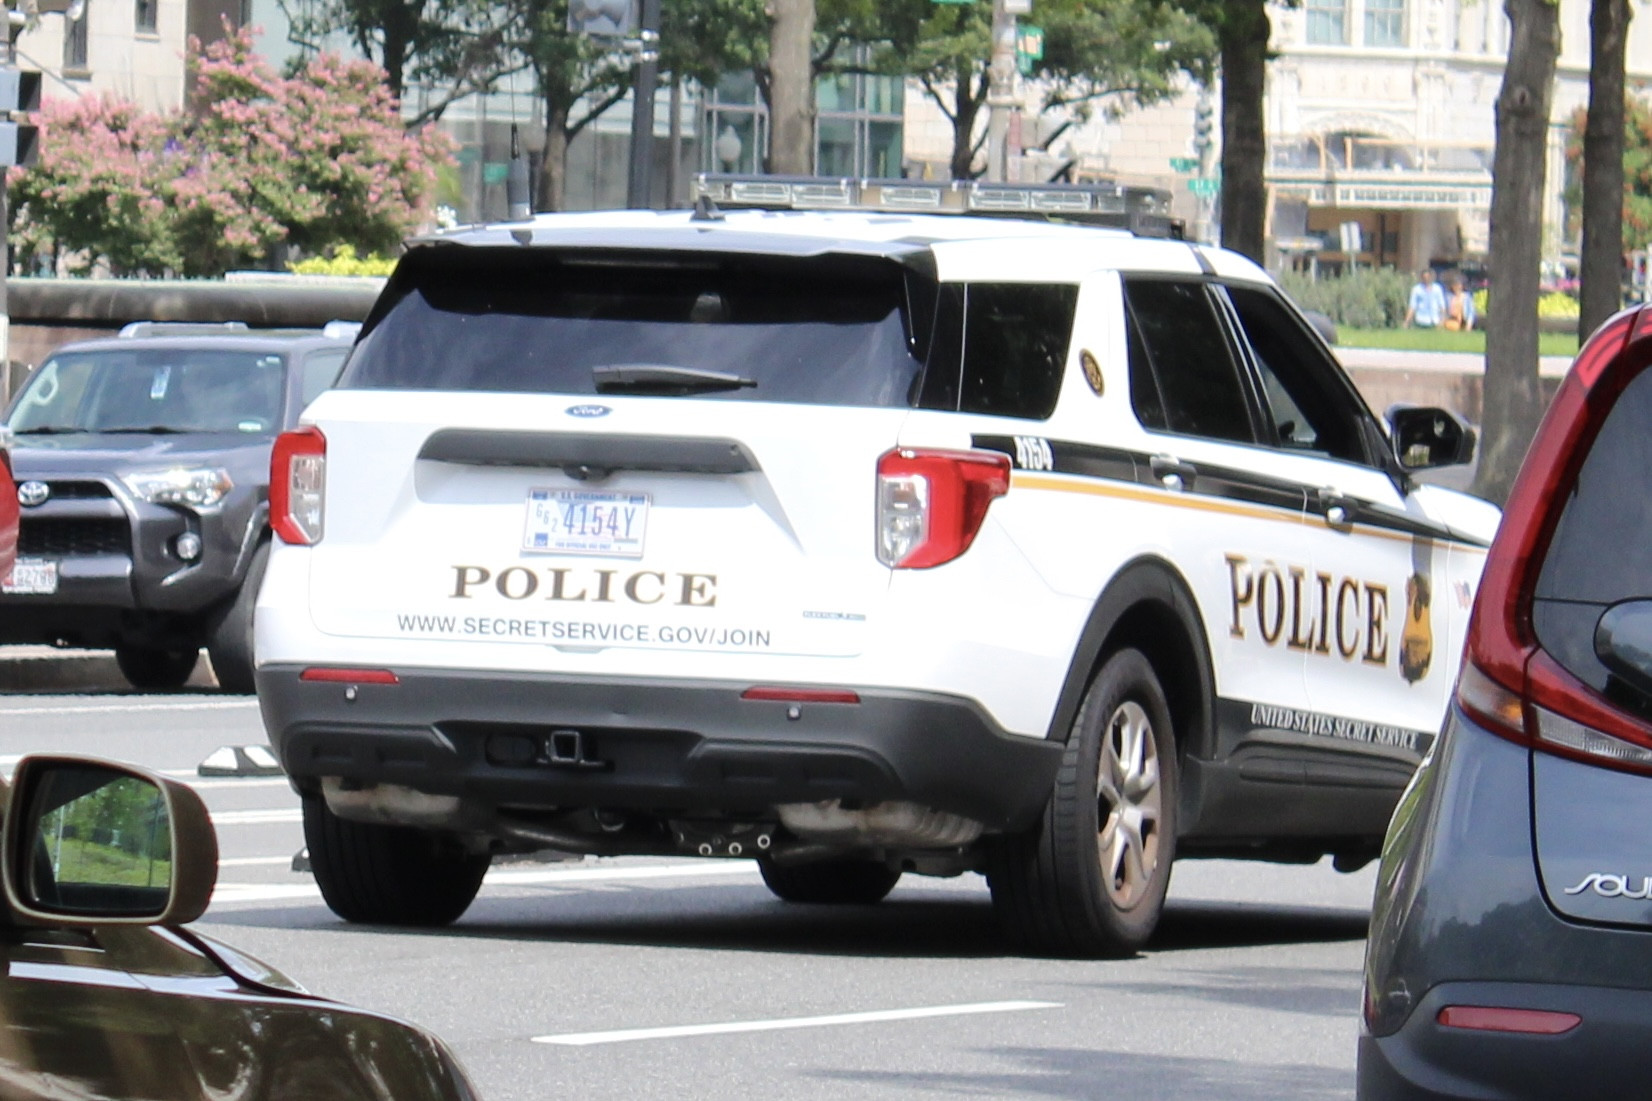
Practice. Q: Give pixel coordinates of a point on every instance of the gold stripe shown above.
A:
(1058, 484)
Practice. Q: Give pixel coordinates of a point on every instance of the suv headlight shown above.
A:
(197, 487)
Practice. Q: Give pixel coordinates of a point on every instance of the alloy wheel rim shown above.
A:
(1129, 801)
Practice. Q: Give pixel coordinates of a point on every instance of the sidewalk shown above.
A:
(1469, 363)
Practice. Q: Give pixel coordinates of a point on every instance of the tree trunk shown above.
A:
(791, 87)
(1513, 402)
(1243, 32)
(553, 168)
(1601, 293)
(966, 108)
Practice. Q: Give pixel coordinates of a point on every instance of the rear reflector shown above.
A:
(801, 695)
(1485, 1018)
(350, 676)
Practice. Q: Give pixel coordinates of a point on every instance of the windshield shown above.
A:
(153, 390)
(815, 330)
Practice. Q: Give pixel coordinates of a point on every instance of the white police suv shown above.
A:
(859, 542)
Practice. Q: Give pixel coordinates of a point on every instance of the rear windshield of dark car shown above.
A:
(837, 330)
(1597, 555)
(154, 390)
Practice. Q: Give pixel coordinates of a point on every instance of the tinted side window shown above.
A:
(1597, 556)
(1199, 389)
(1308, 409)
(999, 348)
(1015, 348)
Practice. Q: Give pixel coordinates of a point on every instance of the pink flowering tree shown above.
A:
(98, 191)
(308, 162)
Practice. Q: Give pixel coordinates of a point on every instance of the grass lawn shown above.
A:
(1442, 340)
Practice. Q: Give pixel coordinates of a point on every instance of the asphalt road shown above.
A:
(669, 979)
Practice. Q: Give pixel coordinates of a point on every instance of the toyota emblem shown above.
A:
(30, 494)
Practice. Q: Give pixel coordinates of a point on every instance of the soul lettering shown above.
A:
(1315, 612)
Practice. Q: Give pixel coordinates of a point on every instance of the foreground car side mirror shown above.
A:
(1424, 437)
(1623, 642)
(91, 842)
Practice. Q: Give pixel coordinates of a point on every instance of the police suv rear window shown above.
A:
(812, 330)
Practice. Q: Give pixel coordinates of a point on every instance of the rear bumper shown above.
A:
(652, 744)
(1603, 1057)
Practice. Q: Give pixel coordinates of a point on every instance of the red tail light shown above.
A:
(298, 485)
(931, 504)
(1508, 683)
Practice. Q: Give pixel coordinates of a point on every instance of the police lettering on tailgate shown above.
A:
(593, 586)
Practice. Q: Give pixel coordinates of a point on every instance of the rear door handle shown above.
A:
(1172, 473)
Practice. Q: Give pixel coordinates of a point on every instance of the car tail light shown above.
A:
(298, 485)
(1507, 682)
(931, 503)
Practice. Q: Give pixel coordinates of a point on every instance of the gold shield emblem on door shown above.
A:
(1417, 638)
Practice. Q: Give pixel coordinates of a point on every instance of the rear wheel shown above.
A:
(230, 646)
(155, 668)
(1090, 879)
(389, 875)
(845, 882)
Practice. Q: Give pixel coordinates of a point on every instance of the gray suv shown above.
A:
(142, 464)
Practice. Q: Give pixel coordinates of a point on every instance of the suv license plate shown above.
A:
(585, 521)
(32, 576)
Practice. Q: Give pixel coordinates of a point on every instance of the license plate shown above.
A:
(585, 521)
(32, 577)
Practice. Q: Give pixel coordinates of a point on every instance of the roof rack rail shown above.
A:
(182, 328)
(1144, 211)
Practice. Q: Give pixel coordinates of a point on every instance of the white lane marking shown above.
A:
(255, 817)
(254, 861)
(231, 893)
(582, 1039)
(128, 708)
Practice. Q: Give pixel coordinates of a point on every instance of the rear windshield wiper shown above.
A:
(648, 378)
(49, 430)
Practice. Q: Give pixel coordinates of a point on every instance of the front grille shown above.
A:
(79, 491)
(64, 537)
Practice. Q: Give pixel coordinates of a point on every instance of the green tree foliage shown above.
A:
(309, 162)
(1637, 169)
(1097, 58)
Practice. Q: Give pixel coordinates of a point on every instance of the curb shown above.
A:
(48, 669)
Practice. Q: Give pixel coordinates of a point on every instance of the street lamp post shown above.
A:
(1000, 89)
(640, 185)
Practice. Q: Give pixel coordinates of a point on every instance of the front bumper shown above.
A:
(538, 741)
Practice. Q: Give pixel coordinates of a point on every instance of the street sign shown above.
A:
(1204, 186)
(1184, 165)
(1018, 7)
(603, 18)
(1029, 47)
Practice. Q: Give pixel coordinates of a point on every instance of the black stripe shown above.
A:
(1112, 464)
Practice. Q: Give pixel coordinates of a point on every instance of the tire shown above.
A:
(152, 668)
(230, 646)
(843, 882)
(389, 875)
(1090, 879)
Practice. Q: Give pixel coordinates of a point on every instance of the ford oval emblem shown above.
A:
(30, 494)
(588, 410)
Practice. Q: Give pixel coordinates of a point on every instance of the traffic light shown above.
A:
(1204, 124)
(19, 94)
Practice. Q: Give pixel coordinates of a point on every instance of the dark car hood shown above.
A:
(79, 1027)
(114, 452)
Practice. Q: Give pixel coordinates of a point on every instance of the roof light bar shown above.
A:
(1142, 210)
